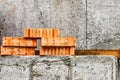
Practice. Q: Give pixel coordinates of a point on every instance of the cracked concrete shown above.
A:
(58, 68)
(95, 24)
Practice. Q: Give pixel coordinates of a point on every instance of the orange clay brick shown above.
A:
(61, 41)
(40, 33)
(33, 32)
(15, 51)
(37, 33)
(63, 51)
(50, 42)
(66, 50)
(7, 41)
(45, 52)
(22, 51)
(22, 42)
(19, 41)
(16, 42)
(50, 51)
(6, 51)
(56, 33)
(60, 51)
(57, 51)
(50, 33)
(42, 50)
(72, 50)
(4, 41)
(72, 41)
(31, 42)
(67, 41)
(44, 33)
(44, 42)
(57, 41)
(26, 32)
(47, 33)
(30, 51)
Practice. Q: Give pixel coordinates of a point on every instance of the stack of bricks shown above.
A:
(51, 43)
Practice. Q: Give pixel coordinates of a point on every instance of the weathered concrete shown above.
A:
(95, 68)
(59, 68)
(67, 15)
(103, 20)
(95, 24)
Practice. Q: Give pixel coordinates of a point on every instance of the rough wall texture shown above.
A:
(103, 30)
(95, 24)
(67, 15)
(59, 68)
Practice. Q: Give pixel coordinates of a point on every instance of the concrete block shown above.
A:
(103, 20)
(69, 16)
(51, 68)
(95, 68)
(15, 68)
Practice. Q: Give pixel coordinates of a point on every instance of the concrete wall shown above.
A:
(59, 68)
(95, 24)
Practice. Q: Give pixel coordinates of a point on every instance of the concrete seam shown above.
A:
(86, 25)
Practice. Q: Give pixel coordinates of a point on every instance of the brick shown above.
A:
(16, 42)
(54, 51)
(50, 33)
(44, 33)
(72, 41)
(50, 42)
(57, 51)
(26, 32)
(60, 51)
(61, 41)
(41, 50)
(44, 42)
(6, 51)
(19, 41)
(17, 51)
(7, 41)
(72, 50)
(56, 33)
(31, 42)
(22, 42)
(30, 51)
(49, 51)
(21, 51)
(45, 51)
(40, 33)
(4, 41)
(57, 42)
(37, 33)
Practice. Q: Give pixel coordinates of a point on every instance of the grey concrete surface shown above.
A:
(103, 30)
(67, 15)
(95, 24)
(58, 68)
